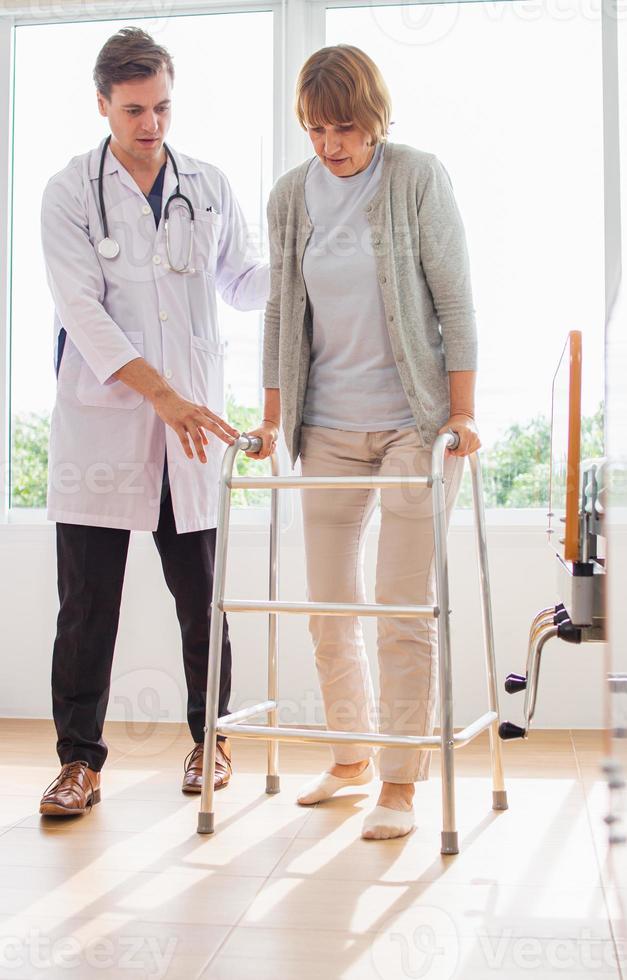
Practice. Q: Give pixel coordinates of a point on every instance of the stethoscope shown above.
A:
(110, 249)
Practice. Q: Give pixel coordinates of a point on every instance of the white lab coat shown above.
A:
(107, 444)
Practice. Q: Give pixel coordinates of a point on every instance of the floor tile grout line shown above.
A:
(268, 877)
(602, 877)
(497, 933)
(236, 924)
(239, 921)
(350, 933)
(587, 809)
(12, 826)
(617, 953)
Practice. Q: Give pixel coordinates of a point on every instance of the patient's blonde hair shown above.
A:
(341, 84)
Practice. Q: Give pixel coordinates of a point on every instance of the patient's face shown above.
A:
(343, 148)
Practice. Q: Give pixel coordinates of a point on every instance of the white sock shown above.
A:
(325, 785)
(383, 823)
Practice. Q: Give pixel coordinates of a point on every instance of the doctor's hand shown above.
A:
(191, 422)
(268, 432)
(466, 427)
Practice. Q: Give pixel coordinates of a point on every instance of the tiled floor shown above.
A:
(292, 893)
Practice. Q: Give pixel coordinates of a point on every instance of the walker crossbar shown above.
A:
(329, 608)
(326, 482)
(447, 740)
(255, 709)
(228, 727)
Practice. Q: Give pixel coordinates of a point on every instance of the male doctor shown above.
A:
(137, 237)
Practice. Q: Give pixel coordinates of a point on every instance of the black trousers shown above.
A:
(91, 562)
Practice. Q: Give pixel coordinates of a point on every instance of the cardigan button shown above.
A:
(391, 318)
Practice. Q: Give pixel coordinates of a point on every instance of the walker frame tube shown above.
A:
(272, 776)
(330, 608)
(499, 794)
(323, 736)
(450, 843)
(216, 629)
(448, 739)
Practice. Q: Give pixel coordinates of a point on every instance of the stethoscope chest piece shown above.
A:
(108, 248)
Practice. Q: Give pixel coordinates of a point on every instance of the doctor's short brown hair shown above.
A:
(342, 84)
(129, 55)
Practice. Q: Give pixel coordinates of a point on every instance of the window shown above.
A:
(233, 132)
(509, 97)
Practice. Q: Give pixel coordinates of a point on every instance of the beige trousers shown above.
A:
(335, 523)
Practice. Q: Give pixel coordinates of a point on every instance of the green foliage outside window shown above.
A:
(244, 420)
(515, 469)
(29, 460)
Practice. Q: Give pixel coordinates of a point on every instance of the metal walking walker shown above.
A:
(448, 740)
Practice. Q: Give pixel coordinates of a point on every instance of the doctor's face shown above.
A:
(139, 115)
(344, 149)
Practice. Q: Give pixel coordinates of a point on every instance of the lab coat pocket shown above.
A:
(90, 392)
(208, 373)
(208, 225)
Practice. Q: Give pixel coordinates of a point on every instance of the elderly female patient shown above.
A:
(370, 351)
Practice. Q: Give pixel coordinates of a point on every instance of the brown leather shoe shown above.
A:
(73, 792)
(192, 780)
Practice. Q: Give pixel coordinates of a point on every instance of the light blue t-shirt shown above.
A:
(353, 379)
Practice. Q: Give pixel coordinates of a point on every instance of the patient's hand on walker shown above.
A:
(466, 428)
(268, 432)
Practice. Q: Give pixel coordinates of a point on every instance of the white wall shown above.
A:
(148, 678)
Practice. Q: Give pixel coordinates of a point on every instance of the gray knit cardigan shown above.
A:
(419, 245)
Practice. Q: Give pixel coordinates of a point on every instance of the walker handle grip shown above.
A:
(455, 443)
(250, 444)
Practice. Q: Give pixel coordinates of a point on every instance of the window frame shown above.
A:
(299, 29)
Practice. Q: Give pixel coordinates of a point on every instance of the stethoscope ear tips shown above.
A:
(108, 248)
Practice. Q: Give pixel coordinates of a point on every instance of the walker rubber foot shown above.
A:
(499, 799)
(450, 842)
(273, 784)
(515, 683)
(508, 730)
(205, 823)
